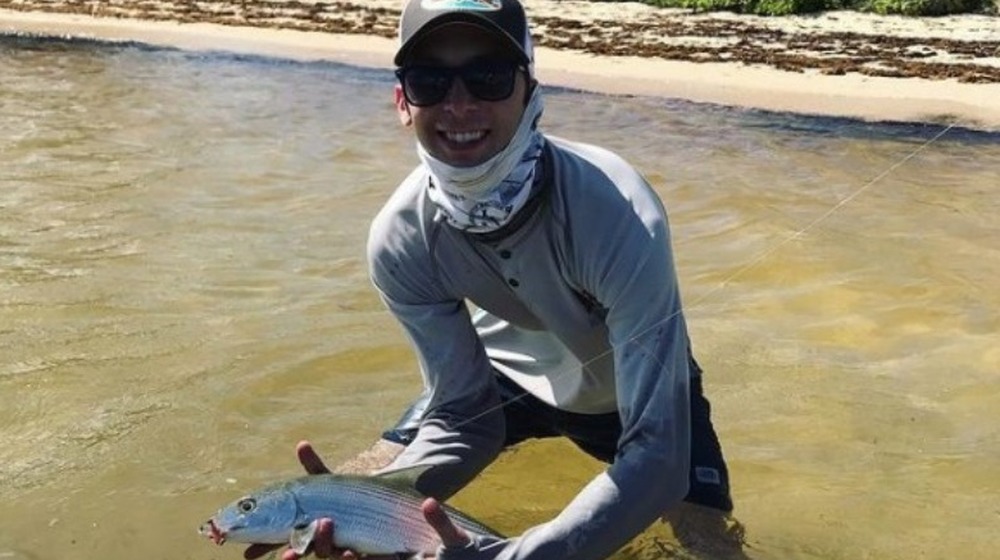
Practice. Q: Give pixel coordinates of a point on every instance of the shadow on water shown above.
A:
(807, 124)
(842, 127)
(49, 43)
(46, 43)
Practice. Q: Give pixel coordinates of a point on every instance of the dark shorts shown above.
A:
(597, 434)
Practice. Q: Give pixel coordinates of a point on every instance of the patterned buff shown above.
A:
(485, 197)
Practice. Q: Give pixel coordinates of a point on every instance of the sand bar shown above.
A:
(838, 64)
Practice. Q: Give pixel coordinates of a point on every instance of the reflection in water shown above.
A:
(183, 295)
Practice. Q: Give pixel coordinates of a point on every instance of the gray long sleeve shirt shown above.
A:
(587, 282)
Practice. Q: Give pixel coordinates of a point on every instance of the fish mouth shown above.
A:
(212, 531)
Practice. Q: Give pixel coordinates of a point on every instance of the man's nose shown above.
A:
(458, 100)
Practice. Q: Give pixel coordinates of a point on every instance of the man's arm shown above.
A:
(461, 429)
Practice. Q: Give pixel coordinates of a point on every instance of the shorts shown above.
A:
(527, 417)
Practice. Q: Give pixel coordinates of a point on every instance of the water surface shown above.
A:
(183, 296)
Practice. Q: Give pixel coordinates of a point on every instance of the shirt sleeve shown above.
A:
(462, 429)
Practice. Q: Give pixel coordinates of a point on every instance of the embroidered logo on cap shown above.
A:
(707, 475)
(471, 5)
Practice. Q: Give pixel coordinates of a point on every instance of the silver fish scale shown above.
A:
(373, 518)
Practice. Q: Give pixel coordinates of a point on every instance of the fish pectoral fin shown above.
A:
(302, 537)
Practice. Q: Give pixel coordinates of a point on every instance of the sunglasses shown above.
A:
(484, 79)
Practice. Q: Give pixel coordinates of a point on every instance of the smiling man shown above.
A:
(535, 279)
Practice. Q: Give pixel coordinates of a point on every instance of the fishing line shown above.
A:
(822, 218)
(756, 261)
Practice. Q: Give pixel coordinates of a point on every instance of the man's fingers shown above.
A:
(321, 546)
(451, 536)
(323, 539)
(310, 459)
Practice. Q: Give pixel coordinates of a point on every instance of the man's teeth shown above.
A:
(463, 137)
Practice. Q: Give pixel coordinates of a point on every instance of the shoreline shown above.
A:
(812, 91)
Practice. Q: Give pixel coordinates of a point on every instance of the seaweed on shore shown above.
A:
(789, 7)
(670, 35)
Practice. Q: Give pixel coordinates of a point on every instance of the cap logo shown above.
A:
(469, 5)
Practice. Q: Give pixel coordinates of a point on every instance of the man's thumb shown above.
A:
(451, 536)
(310, 459)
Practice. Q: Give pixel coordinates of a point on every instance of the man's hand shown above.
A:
(451, 535)
(322, 545)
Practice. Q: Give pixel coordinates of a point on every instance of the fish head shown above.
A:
(268, 517)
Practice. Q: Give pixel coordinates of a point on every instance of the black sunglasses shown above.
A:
(485, 79)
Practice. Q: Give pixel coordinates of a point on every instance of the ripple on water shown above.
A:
(17, 555)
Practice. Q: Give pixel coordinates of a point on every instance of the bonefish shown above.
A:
(377, 514)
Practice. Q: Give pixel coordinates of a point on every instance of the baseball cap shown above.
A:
(504, 17)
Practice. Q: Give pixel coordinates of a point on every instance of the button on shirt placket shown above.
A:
(509, 268)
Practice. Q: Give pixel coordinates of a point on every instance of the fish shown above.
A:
(372, 514)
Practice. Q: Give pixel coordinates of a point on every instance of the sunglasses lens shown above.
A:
(485, 80)
(426, 85)
(490, 81)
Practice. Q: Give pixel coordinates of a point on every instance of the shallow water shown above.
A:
(183, 296)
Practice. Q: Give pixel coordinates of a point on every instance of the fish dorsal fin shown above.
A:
(403, 479)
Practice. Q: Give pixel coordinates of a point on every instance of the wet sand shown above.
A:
(840, 64)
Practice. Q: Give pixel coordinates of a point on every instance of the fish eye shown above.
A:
(246, 505)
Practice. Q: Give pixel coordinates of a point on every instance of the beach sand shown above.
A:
(941, 70)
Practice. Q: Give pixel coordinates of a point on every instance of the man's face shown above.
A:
(463, 130)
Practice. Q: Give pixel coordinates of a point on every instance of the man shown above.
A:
(577, 331)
